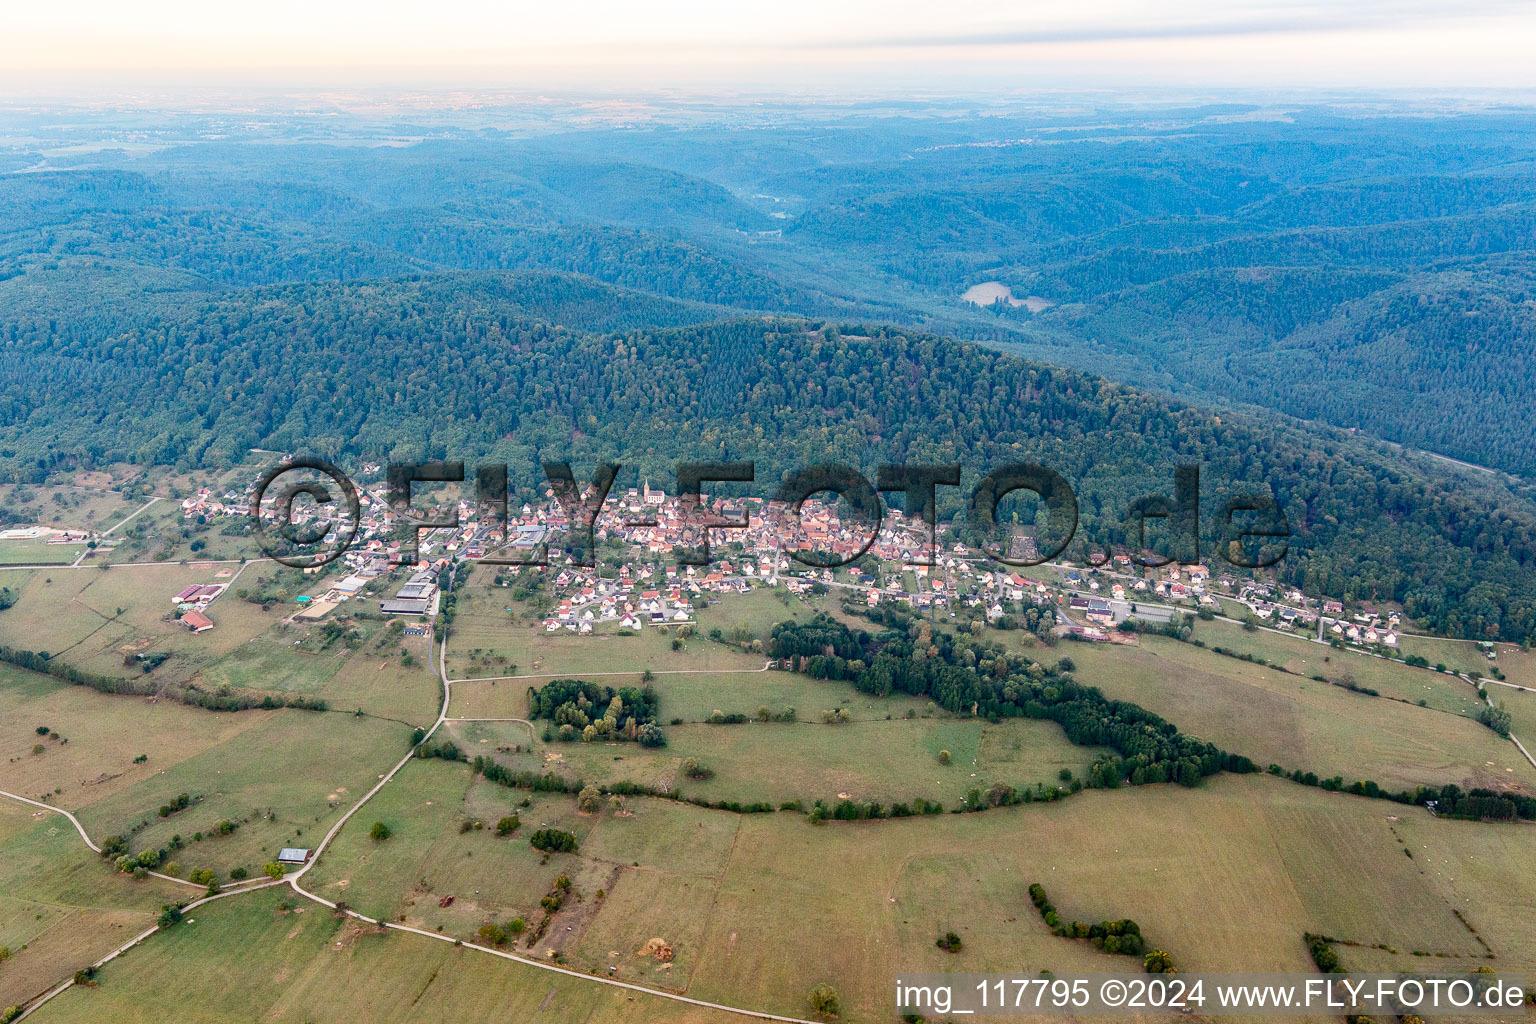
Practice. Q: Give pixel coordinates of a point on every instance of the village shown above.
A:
(641, 582)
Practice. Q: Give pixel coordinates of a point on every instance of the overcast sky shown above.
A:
(810, 44)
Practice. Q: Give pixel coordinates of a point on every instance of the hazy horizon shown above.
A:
(88, 46)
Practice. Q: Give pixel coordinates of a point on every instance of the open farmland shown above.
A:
(489, 640)
(162, 534)
(693, 696)
(287, 777)
(429, 855)
(251, 959)
(66, 506)
(1345, 667)
(1275, 717)
(37, 552)
(106, 735)
(1285, 859)
(361, 670)
(96, 618)
(60, 907)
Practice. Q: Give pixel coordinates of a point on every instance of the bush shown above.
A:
(274, 869)
(824, 1001)
(379, 832)
(506, 826)
(495, 934)
(949, 942)
(1323, 955)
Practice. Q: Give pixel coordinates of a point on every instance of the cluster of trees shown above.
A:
(548, 782)
(1123, 936)
(1495, 718)
(445, 750)
(824, 1001)
(181, 803)
(1323, 954)
(500, 934)
(140, 865)
(817, 638)
(553, 840)
(866, 810)
(1481, 804)
(587, 711)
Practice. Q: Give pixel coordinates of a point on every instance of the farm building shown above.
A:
(417, 597)
(197, 622)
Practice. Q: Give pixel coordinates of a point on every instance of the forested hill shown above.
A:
(1346, 264)
(436, 369)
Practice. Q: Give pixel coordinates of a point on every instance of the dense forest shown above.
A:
(1366, 269)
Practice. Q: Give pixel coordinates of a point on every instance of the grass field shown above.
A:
(38, 552)
(532, 650)
(428, 857)
(880, 754)
(162, 534)
(693, 696)
(61, 907)
(382, 685)
(64, 506)
(757, 908)
(373, 678)
(1519, 667)
(1303, 657)
(1297, 722)
(1226, 877)
(105, 735)
(284, 780)
(1457, 655)
(488, 638)
(871, 760)
(247, 959)
(1521, 705)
